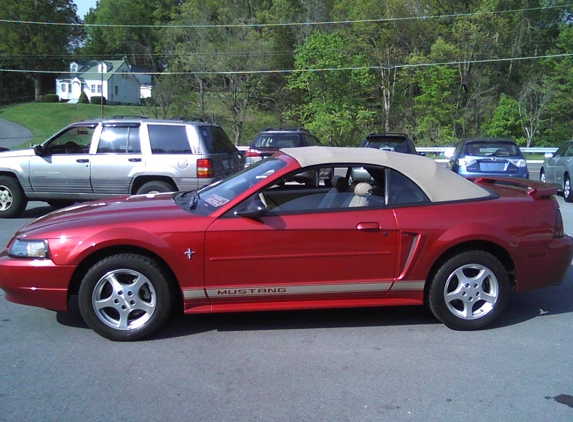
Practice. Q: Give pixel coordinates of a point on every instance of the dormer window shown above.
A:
(74, 67)
(102, 67)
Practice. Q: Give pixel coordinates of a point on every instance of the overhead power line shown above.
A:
(266, 25)
(334, 69)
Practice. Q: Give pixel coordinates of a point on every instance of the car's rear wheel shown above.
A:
(567, 191)
(155, 186)
(542, 176)
(126, 297)
(469, 290)
(12, 199)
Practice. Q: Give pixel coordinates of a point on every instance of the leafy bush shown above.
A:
(83, 98)
(51, 98)
(97, 99)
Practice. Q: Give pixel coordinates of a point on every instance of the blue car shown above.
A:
(489, 157)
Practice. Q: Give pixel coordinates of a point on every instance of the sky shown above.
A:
(84, 6)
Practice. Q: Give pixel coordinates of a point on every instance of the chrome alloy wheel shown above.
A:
(6, 198)
(124, 299)
(567, 188)
(471, 291)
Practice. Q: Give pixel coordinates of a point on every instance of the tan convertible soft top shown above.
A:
(439, 183)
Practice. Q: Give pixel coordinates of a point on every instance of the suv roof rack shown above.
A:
(126, 116)
(300, 129)
(386, 134)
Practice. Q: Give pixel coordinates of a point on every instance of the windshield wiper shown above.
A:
(194, 198)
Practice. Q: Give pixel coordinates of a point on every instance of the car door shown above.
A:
(63, 165)
(302, 253)
(556, 165)
(118, 159)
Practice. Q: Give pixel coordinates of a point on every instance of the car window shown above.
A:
(396, 145)
(218, 194)
(312, 141)
(168, 139)
(348, 189)
(216, 140)
(277, 140)
(562, 149)
(569, 151)
(75, 140)
(487, 149)
(119, 140)
(402, 190)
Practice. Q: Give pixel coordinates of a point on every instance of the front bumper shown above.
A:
(35, 282)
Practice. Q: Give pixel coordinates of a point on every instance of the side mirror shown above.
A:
(255, 209)
(39, 150)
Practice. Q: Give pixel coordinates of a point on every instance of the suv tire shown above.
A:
(12, 198)
(155, 186)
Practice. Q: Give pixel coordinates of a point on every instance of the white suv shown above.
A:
(122, 156)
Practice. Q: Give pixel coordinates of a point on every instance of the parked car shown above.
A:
(258, 242)
(98, 159)
(558, 170)
(396, 142)
(485, 157)
(271, 140)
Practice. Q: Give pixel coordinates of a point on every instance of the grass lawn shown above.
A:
(45, 119)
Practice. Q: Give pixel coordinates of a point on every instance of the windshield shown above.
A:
(211, 197)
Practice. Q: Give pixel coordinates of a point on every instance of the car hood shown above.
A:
(122, 211)
(17, 153)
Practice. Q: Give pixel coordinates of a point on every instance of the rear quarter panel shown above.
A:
(518, 223)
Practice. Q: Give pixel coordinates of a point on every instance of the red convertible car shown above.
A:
(387, 229)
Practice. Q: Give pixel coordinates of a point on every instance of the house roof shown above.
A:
(88, 70)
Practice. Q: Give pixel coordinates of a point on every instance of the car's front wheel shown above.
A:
(469, 290)
(567, 191)
(126, 297)
(12, 199)
(542, 176)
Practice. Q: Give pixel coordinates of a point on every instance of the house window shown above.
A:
(99, 90)
(93, 89)
(116, 90)
(63, 88)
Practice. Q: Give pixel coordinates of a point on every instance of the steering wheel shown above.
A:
(72, 147)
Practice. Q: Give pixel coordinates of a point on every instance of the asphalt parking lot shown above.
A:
(382, 364)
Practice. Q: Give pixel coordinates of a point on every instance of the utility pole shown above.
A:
(101, 98)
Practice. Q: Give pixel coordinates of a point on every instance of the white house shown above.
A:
(114, 79)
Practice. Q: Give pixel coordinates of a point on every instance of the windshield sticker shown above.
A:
(216, 201)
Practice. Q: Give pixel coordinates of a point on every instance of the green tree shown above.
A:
(506, 122)
(111, 33)
(333, 92)
(34, 48)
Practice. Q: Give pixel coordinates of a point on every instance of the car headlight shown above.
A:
(21, 248)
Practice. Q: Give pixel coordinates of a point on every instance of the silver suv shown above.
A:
(122, 156)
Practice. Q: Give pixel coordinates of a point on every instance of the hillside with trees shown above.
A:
(439, 70)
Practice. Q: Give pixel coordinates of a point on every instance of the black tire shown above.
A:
(542, 176)
(12, 199)
(567, 189)
(60, 203)
(126, 297)
(469, 290)
(155, 186)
